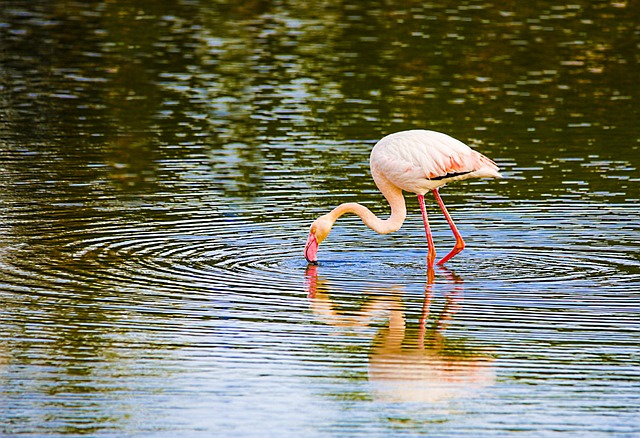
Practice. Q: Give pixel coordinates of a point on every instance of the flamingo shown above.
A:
(416, 161)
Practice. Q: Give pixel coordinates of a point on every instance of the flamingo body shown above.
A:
(416, 161)
(419, 161)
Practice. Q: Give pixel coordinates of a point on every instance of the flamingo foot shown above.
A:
(431, 258)
(456, 249)
(431, 276)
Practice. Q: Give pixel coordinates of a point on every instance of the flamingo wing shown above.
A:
(418, 161)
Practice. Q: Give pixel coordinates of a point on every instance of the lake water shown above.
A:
(160, 165)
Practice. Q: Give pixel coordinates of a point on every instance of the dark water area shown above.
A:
(161, 162)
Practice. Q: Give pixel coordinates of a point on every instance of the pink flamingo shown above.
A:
(415, 161)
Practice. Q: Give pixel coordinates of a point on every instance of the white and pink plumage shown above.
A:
(416, 161)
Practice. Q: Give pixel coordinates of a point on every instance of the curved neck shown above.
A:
(383, 226)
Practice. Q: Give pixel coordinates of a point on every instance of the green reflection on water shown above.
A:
(534, 87)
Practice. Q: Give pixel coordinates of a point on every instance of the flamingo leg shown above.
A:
(459, 241)
(431, 255)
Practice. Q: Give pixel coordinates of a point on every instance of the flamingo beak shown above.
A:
(311, 249)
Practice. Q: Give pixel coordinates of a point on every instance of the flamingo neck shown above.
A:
(382, 226)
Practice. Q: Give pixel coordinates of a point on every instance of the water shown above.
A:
(160, 166)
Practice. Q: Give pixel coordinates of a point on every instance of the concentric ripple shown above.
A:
(244, 255)
(200, 253)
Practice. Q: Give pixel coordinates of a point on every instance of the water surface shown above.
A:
(160, 166)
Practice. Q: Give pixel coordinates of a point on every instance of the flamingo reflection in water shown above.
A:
(405, 366)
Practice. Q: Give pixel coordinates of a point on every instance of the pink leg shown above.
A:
(459, 241)
(431, 255)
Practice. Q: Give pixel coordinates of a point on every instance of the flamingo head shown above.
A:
(319, 231)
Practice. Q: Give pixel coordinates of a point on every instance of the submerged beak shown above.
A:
(311, 249)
